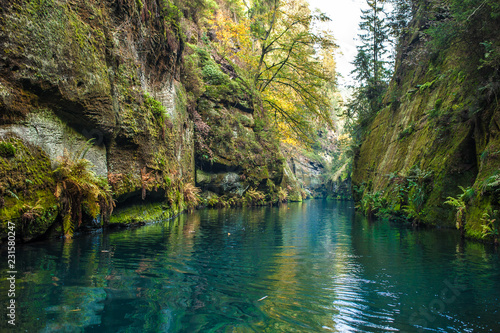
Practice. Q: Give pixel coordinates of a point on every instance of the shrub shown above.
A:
(213, 75)
(372, 203)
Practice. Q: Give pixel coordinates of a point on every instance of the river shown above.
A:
(303, 267)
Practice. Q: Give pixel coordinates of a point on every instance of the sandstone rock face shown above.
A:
(438, 129)
(220, 183)
(107, 71)
(45, 130)
(71, 71)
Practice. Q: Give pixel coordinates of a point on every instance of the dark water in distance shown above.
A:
(305, 267)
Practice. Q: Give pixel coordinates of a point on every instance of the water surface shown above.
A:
(305, 267)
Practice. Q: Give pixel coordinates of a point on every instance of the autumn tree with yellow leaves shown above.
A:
(288, 59)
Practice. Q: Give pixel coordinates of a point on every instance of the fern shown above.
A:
(78, 188)
(254, 197)
(490, 226)
(460, 204)
(282, 195)
(191, 195)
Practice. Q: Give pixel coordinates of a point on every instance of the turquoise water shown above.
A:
(305, 267)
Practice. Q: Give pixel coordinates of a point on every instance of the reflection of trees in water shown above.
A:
(210, 269)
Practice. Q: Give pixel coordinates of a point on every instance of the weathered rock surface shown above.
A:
(110, 71)
(441, 123)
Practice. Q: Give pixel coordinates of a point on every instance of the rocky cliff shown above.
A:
(138, 78)
(440, 127)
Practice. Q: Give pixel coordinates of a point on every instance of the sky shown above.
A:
(345, 15)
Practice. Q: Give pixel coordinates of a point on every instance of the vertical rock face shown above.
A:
(440, 126)
(94, 70)
(45, 130)
(107, 73)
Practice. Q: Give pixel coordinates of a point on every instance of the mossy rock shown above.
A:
(27, 191)
(7, 149)
(145, 213)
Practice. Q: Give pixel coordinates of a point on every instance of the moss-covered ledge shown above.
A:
(144, 212)
(26, 189)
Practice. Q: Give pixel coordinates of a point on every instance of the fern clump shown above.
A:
(79, 188)
(282, 195)
(191, 195)
(460, 203)
(491, 225)
(254, 197)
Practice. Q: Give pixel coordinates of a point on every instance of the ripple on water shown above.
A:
(309, 267)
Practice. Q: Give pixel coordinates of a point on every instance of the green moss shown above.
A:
(155, 107)
(213, 75)
(27, 185)
(7, 149)
(295, 196)
(49, 30)
(426, 85)
(147, 212)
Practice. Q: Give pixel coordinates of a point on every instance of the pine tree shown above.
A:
(372, 66)
(400, 16)
(375, 39)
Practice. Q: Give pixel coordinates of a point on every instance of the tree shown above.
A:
(372, 68)
(400, 16)
(294, 64)
(288, 61)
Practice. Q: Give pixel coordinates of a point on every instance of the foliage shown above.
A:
(372, 69)
(282, 195)
(288, 61)
(407, 131)
(294, 66)
(7, 149)
(491, 184)
(156, 108)
(235, 41)
(191, 195)
(29, 213)
(416, 193)
(372, 203)
(406, 199)
(400, 17)
(460, 203)
(254, 197)
(213, 75)
(464, 21)
(79, 188)
(491, 225)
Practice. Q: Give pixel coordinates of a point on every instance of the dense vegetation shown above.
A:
(230, 103)
(175, 95)
(423, 137)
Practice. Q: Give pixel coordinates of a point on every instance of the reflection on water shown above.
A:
(310, 267)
